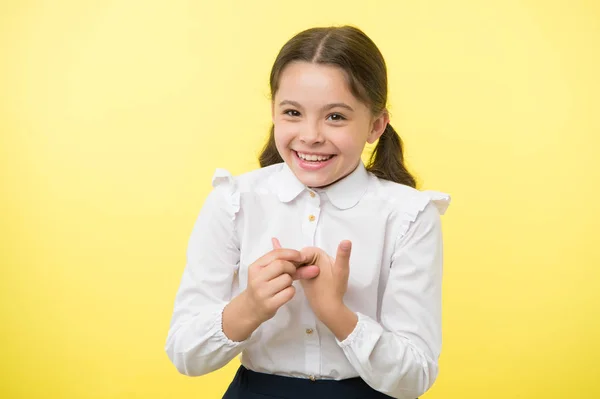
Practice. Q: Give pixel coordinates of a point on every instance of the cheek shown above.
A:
(283, 135)
(351, 142)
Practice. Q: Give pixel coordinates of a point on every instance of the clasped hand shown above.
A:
(323, 278)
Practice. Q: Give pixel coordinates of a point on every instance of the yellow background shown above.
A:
(114, 115)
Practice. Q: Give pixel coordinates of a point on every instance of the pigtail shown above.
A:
(387, 159)
(269, 154)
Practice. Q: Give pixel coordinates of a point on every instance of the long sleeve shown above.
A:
(196, 344)
(399, 355)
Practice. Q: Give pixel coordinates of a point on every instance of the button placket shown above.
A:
(311, 218)
(313, 351)
(311, 335)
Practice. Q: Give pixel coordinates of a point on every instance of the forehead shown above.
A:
(314, 83)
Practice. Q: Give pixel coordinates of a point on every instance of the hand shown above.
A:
(270, 281)
(326, 291)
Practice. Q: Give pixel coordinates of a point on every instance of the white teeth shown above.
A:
(309, 157)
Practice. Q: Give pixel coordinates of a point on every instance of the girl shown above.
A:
(259, 279)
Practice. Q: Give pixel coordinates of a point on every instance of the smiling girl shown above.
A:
(324, 273)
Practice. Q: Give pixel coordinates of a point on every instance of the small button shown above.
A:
(312, 378)
(312, 194)
(309, 331)
(311, 218)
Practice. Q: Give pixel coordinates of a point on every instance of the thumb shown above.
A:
(342, 258)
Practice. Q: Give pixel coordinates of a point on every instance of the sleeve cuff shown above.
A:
(355, 334)
(220, 334)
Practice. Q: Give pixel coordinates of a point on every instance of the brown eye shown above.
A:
(337, 117)
(291, 112)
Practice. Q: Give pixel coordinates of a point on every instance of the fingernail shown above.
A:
(346, 245)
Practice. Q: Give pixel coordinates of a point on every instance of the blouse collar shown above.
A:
(343, 194)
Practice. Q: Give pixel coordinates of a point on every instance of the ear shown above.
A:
(378, 126)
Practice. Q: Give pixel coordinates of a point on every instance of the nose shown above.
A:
(311, 134)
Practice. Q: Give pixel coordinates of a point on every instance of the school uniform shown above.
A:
(394, 286)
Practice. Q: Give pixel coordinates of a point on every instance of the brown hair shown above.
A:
(354, 52)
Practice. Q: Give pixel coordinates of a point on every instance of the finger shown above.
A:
(311, 255)
(342, 259)
(277, 268)
(290, 255)
(279, 283)
(306, 272)
(276, 243)
(283, 296)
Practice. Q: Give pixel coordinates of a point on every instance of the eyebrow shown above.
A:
(328, 106)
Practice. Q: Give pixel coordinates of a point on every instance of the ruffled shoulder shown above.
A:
(420, 201)
(439, 199)
(225, 181)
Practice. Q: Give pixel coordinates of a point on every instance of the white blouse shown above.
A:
(394, 285)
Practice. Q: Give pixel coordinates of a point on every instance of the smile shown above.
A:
(313, 157)
(312, 162)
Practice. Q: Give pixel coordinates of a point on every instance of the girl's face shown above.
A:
(320, 127)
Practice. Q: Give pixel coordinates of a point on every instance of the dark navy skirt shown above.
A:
(249, 384)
